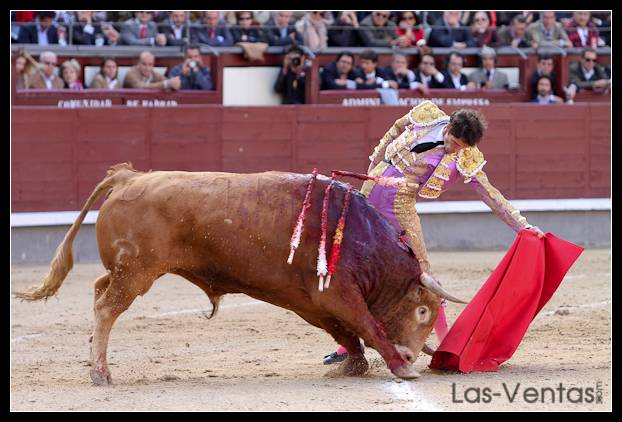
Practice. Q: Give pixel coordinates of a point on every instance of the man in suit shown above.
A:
(448, 32)
(174, 28)
(369, 75)
(280, 32)
(142, 31)
(454, 78)
(587, 74)
(487, 76)
(142, 76)
(213, 32)
(547, 31)
(400, 76)
(340, 74)
(543, 68)
(42, 32)
(427, 74)
(516, 34)
(46, 77)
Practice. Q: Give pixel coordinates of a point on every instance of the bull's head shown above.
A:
(411, 321)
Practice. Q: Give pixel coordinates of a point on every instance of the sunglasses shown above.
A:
(589, 60)
(383, 15)
(245, 18)
(481, 20)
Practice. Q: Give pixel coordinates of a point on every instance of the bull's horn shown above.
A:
(427, 350)
(428, 281)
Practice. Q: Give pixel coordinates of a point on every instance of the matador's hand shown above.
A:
(537, 231)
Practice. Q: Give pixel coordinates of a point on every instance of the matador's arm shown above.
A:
(395, 131)
(500, 206)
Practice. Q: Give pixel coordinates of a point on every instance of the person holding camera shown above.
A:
(292, 77)
(191, 72)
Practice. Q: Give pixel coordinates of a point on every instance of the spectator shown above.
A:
(408, 34)
(292, 77)
(582, 32)
(42, 31)
(340, 74)
(214, 32)
(108, 76)
(587, 74)
(70, 73)
(142, 31)
(280, 31)
(428, 75)
(544, 93)
(399, 75)
(86, 32)
(448, 32)
(247, 30)
(548, 32)
(25, 69)
(377, 31)
(370, 76)
(192, 73)
(46, 78)
(175, 28)
(487, 76)
(516, 34)
(344, 32)
(143, 76)
(314, 29)
(482, 33)
(454, 78)
(603, 24)
(544, 67)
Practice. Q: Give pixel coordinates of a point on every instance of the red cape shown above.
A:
(490, 328)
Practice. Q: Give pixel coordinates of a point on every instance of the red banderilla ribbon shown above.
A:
(295, 241)
(335, 251)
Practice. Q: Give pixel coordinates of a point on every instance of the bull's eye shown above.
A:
(422, 313)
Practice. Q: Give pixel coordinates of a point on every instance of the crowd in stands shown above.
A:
(314, 29)
(297, 32)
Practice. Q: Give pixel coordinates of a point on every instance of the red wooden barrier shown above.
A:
(58, 156)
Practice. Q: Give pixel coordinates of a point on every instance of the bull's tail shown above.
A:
(62, 262)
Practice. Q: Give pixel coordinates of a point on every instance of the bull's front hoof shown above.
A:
(406, 372)
(354, 367)
(100, 378)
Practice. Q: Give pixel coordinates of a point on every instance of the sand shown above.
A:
(165, 355)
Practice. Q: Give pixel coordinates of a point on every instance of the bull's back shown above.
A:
(238, 224)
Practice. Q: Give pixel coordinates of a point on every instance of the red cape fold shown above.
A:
(490, 328)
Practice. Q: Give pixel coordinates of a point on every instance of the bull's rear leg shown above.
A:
(357, 318)
(101, 284)
(122, 290)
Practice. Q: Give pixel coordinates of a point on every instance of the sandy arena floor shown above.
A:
(164, 355)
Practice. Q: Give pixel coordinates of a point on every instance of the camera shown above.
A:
(296, 60)
(193, 64)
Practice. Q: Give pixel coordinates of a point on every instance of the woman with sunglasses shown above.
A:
(247, 30)
(482, 32)
(407, 32)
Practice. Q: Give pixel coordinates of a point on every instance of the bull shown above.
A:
(229, 233)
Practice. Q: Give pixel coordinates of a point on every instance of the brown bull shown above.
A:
(230, 233)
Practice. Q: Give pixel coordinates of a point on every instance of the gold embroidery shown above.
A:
(404, 207)
(470, 160)
(498, 204)
(434, 185)
(427, 114)
(394, 132)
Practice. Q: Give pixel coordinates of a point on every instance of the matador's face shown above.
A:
(452, 144)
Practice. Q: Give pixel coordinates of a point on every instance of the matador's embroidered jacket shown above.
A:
(430, 173)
